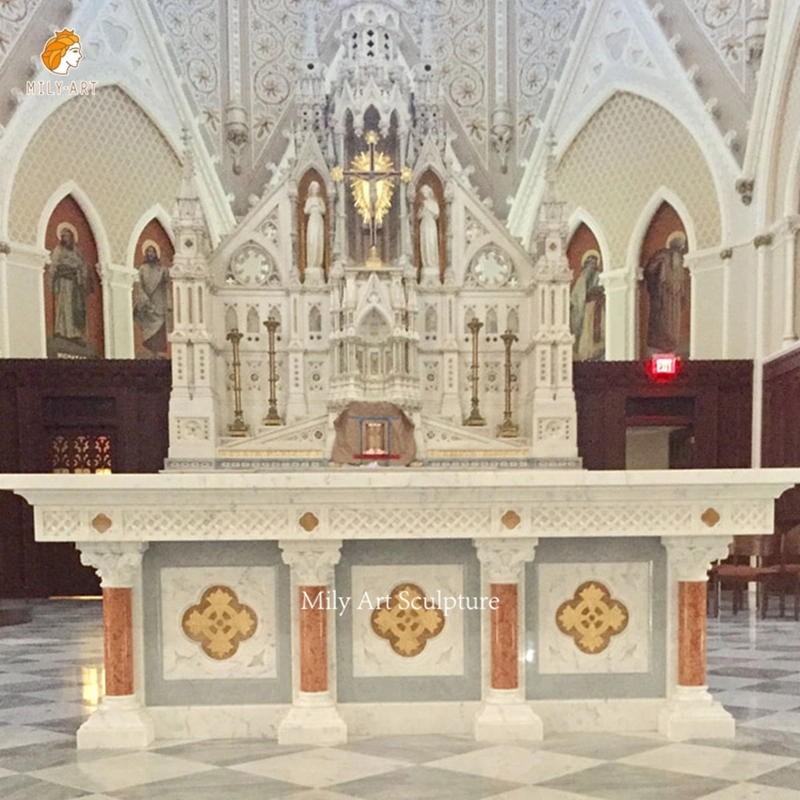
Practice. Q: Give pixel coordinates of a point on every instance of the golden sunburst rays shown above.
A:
(373, 198)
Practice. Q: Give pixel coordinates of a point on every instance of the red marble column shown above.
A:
(313, 639)
(692, 633)
(505, 637)
(118, 641)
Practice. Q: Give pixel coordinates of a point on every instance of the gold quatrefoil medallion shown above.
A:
(592, 617)
(406, 622)
(219, 622)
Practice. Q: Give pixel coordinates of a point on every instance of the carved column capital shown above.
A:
(117, 563)
(689, 557)
(503, 560)
(311, 562)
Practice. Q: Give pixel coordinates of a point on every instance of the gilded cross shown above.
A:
(372, 177)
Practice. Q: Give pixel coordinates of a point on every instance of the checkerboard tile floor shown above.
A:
(50, 671)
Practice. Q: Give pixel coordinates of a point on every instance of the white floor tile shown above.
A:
(517, 764)
(710, 762)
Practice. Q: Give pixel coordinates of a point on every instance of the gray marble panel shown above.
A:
(235, 691)
(418, 688)
(651, 683)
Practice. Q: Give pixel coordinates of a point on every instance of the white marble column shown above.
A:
(120, 720)
(22, 308)
(313, 718)
(118, 283)
(616, 319)
(505, 715)
(690, 711)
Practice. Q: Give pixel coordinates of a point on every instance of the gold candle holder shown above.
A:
(474, 417)
(238, 427)
(272, 417)
(508, 429)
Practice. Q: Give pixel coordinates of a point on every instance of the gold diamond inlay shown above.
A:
(308, 522)
(592, 617)
(219, 622)
(510, 519)
(407, 619)
(710, 517)
(101, 523)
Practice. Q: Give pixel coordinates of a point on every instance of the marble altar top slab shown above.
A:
(363, 503)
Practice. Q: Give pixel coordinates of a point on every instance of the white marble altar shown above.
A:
(474, 532)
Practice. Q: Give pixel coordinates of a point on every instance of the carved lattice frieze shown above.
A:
(408, 521)
(165, 524)
(612, 519)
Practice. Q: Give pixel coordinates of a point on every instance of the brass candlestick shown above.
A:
(238, 427)
(508, 429)
(272, 417)
(474, 417)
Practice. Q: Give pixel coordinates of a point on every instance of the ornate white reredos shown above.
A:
(312, 562)
(117, 563)
(697, 508)
(504, 560)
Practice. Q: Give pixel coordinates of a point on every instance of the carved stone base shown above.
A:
(312, 720)
(119, 722)
(505, 717)
(692, 713)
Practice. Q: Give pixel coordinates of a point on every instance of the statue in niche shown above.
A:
(586, 306)
(151, 300)
(429, 230)
(666, 286)
(315, 227)
(70, 282)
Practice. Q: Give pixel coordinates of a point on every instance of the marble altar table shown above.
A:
(312, 605)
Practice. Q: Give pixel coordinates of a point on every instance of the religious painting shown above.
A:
(587, 301)
(152, 293)
(429, 225)
(72, 289)
(313, 226)
(665, 287)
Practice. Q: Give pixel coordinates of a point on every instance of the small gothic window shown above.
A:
(314, 320)
(253, 322)
(491, 320)
(512, 321)
(431, 322)
(231, 319)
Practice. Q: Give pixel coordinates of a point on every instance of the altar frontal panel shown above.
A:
(596, 619)
(216, 624)
(402, 632)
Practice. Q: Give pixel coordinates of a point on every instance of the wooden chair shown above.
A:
(739, 571)
(787, 580)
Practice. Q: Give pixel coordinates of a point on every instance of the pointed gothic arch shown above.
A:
(73, 292)
(587, 295)
(664, 292)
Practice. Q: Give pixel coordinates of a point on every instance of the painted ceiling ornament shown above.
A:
(407, 620)
(592, 617)
(219, 622)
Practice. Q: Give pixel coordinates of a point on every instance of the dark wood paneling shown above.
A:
(127, 400)
(713, 397)
(780, 440)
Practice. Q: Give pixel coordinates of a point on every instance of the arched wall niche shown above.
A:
(587, 297)
(107, 145)
(73, 294)
(664, 293)
(303, 209)
(152, 292)
(626, 151)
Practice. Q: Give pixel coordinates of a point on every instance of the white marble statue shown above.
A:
(429, 230)
(315, 227)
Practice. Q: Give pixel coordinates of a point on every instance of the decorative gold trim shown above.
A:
(101, 523)
(219, 622)
(710, 517)
(511, 519)
(475, 454)
(270, 453)
(592, 617)
(407, 620)
(308, 522)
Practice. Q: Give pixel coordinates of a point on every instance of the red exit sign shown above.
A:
(663, 366)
